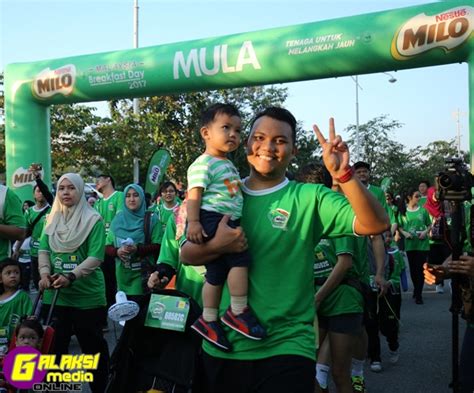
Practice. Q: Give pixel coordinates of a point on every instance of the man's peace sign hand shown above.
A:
(335, 151)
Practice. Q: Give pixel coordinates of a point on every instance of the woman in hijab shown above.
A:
(70, 253)
(134, 240)
(439, 248)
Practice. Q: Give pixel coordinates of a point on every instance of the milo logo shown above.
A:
(279, 218)
(154, 174)
(21, 177)
(59, 81)
(446, 30)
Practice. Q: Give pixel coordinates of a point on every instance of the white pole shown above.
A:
(136, 165)
(358, 153)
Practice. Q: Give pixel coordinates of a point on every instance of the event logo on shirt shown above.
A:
(448, 30)
(58, 263)
(279, 218)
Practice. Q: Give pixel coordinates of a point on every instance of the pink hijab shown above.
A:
(433, 206)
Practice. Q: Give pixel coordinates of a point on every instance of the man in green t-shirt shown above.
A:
(12, 222)
(189, 279)
(283, 222)
(35, 218)
(108, 206)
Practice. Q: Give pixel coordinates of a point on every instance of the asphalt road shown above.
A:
(425, 348)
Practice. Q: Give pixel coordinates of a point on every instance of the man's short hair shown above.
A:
(280, 114)
(108, 177)
(361, 164)
(209, 114)
(315, 173)
(427, 182)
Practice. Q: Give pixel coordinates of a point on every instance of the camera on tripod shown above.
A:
(455, 182)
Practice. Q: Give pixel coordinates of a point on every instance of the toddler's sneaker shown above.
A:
(212, 332)
(394, 356)
(439, 288)
(358, 384)
(376, 367)
(245, 324)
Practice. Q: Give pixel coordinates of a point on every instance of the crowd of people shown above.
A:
(297, 278)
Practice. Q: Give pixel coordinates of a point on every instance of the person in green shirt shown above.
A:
(414, 224)
(12, 221)
(14, 302)
(189, 279)
(283, 222)
(35, 218)
(168, 202)
(384, 308)
(71, 250)
(108, 206)
(423, 187)
(134, 241)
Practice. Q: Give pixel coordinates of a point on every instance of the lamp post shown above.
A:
(136, 164)
(391, 79)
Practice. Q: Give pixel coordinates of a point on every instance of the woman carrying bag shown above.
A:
(70, 253)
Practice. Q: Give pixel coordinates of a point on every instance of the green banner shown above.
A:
(156, 170)
(386, 183)
(426, 35)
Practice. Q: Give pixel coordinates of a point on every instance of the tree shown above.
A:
(2, 127)
(173, 122)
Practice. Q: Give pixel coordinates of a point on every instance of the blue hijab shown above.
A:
(130, 223)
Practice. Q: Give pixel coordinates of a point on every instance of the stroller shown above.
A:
(153, 359)
(48, 335)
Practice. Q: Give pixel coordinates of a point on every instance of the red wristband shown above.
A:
(346, 176)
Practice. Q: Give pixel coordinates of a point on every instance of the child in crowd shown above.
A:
(22, 254)
(29, 333)
(14, 302)
(214, 191)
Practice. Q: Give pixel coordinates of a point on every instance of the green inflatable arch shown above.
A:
(419, 36)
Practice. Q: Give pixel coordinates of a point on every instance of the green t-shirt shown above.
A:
(11, 311)
(189, 279)
(86, 292)
(129, 275)
(344, 298)
(283, 225)
(109, 207)
(379, 194)
(415, 221)
(30, 216)
(164, 213)
(422, 201)
(12, 215)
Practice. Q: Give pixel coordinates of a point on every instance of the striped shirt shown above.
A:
(221, 185)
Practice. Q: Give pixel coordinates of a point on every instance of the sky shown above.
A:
(424, 100)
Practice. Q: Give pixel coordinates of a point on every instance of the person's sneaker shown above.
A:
(322, 390)
(376, 367)
(212, 332)
(358, 384)
(393, 356)
(419, 300)
(439, 288)
(245, 324)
